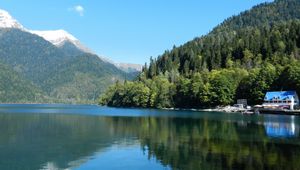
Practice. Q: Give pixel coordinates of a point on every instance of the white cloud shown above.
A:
(77, 8)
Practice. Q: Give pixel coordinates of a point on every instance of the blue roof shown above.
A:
(280, 95)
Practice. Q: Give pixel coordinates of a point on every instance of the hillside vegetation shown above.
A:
(42, 72)
(81, 79)
(243, 57)
(13, 88)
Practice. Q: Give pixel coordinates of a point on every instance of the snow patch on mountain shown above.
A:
(56, 37)
(7, 21)
(60, 37)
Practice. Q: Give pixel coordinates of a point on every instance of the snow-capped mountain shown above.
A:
(56, 37)
(7, 21)
(60, 37)
(50, 66)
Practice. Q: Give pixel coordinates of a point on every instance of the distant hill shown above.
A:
(243, 57)
(82, 78)
(129, 68)
(54, 63)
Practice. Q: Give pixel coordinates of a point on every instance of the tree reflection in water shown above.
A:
(185, 143)
(222, 141)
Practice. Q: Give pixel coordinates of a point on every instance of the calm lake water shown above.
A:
(84, 137)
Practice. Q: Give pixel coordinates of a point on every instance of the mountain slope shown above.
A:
(264, 14)
(55, 70)
(29, 54)
(70, 49)
(223, 43)
(55, 62)
(245, 56)
(82, 78)
(13, 88)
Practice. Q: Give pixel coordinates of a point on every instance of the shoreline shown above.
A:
(222, 109)
(217, 109)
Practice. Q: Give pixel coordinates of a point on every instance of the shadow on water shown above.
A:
(63, 136)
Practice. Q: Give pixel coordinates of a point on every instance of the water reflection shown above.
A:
(211, 144)
(285, 127)
(58, 141)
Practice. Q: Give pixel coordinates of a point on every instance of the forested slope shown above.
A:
(64, 75)
(243, 57)
(15, 89)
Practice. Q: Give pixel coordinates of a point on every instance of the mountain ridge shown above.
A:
(60, 37)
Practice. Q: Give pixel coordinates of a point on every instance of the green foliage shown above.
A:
(217, 89)
(289, 78)
(257, 84)
(128, 94)
(163, 89)
(222, 89)
(263, 15)
(243, 57)
(245, 48)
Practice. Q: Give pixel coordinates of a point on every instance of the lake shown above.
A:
(53, 137)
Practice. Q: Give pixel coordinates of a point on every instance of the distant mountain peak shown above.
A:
(129, 67)
(7, 21)
(60, 37)
(56, 37)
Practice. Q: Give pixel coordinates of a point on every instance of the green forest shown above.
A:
(32, 70)
(243, 57)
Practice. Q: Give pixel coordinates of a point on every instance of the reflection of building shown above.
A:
(282, 129)
(281, 99)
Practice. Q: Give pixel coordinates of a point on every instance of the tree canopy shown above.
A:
(243, 57)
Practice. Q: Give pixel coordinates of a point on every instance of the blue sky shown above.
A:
(127, 31)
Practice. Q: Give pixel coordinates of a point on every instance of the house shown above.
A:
(281, 99)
